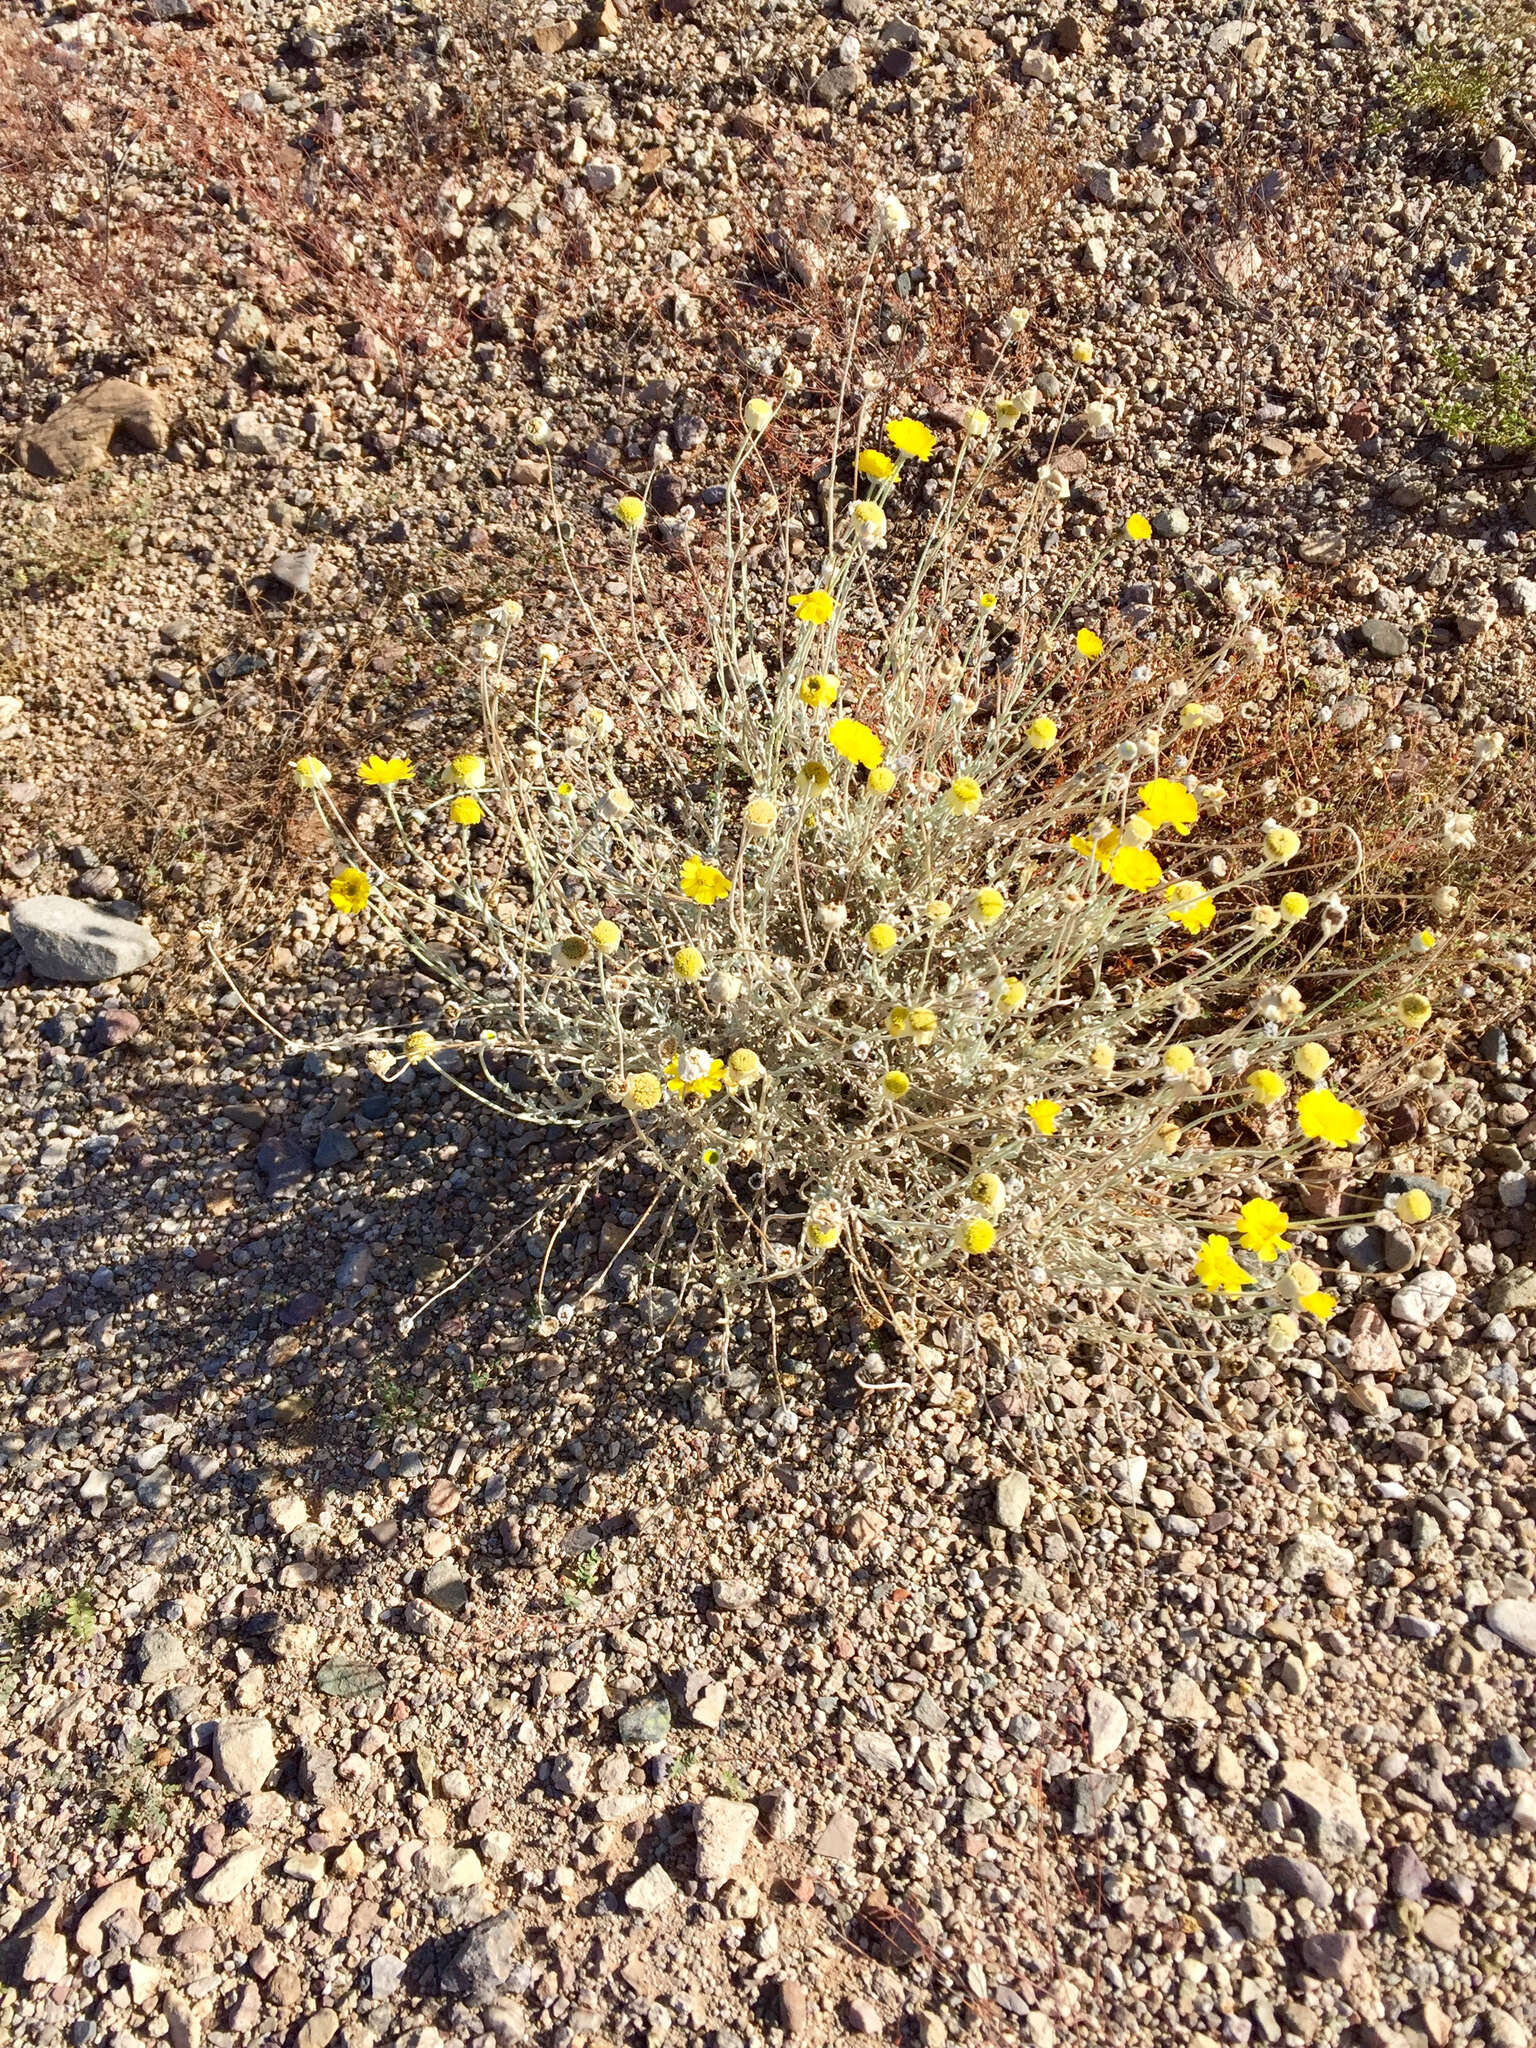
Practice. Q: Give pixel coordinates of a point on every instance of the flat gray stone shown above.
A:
(63, 940)
(722, 1831)
(243, 1752)
(1514, 1621)
(1329, 1808)
(1014, 1495)
(159, 1656)
(485, 1960)
(1108, 1723)
(874, 1747)
(651, 1892)
(294, 569)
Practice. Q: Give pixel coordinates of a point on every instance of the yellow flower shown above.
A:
(350, 890)
(1042, 1113)
(1312, 1060)
(977, 423)
(694, 1073)
(880, 938)
(743, 1068)
(1133, 867)
(898, 1021)
(1264, 918)
(1263, 1233)
(572, 952)
(965, 796)
(869, 522)
(1294, 906)
(1189, 906)
(895, 1084)
(1414, 1010)
(1322, 1115)
(381, 772)
(1421, 942)
(1169, 803)
(1041, 733)
(631, 512)
(1089, 645)
(1082, 350)
(605, 935)
(910, 437)
(812, 778)
(309, 772)
(1281, 843)
(921, 1026)
(873, 464)
(465, 811)
(687, 963)
(855, 742)
(642, 1091)
(419, 1045)
(701, 883)
(988, 905)
(937, 911)
(813, 607)
(976, 1236)
(1265, 1084)
(986, 1190)
(1101, 850)
(881, 781)
(1319, 1303)
(1138, 527)
(818, 691)
(1009, 413)
(1216, 1269)
(1178, 1059)
(1414, 1206)
(1011, 994)
(468, 771)
(986, 600)
(823, 1225)
(1281, 1333)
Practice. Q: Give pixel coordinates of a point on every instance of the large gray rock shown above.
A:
(243, 1752)
(63, 940)
(1329, 1808)
(80, 434)
(1515, 1622)
(722, 1830)
(484, 1960)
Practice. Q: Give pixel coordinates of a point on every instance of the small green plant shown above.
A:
(1493, 404)
(393, 1402)
(132, 1799)
(77, 1612)
(1455, 90)
(583, 1576)
(27, 1623)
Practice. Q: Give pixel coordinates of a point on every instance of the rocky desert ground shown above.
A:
(423, 1621)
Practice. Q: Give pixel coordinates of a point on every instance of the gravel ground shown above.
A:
(398, 1651)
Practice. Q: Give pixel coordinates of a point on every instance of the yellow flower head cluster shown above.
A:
(1264, 1224)
(701, 883)
(910, 437)
(851, 738)
(813, 607)
(381, 773)
(350, 890)
(1322, 1115)
(818, 691)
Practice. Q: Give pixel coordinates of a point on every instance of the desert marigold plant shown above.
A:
(869, 959)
